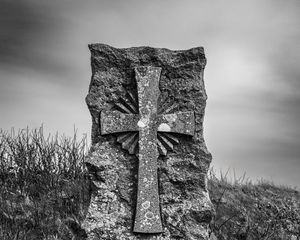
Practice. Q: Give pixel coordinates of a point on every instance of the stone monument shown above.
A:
(148, 159)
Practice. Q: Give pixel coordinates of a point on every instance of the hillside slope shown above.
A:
(254, 211)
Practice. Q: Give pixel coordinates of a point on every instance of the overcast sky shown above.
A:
(252, 76)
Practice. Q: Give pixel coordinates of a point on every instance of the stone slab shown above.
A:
(186, 209)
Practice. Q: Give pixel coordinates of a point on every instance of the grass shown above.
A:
(45, 189)
(44, 185)
(260, 211)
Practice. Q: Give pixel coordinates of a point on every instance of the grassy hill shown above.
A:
(254, 211)
(44, 194)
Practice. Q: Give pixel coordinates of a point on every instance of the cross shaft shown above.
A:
(147, 123)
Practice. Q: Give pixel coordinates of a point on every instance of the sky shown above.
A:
(252, 75)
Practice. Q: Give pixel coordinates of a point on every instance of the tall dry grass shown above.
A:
(43, 185)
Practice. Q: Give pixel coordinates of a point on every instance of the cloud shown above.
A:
(26, 37)
(252, 75)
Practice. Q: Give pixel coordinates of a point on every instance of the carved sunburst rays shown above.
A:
(129, 140)
(128, 105)
(165, 142)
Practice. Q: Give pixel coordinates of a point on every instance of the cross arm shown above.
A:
(179, 122)
(115, 122)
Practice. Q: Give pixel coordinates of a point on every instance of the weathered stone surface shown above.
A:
(183, 162)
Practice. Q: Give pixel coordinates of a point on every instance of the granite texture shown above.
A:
(186, 210)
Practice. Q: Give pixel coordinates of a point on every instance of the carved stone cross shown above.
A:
(147, 122)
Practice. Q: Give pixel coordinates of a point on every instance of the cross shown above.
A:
(147, 122)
